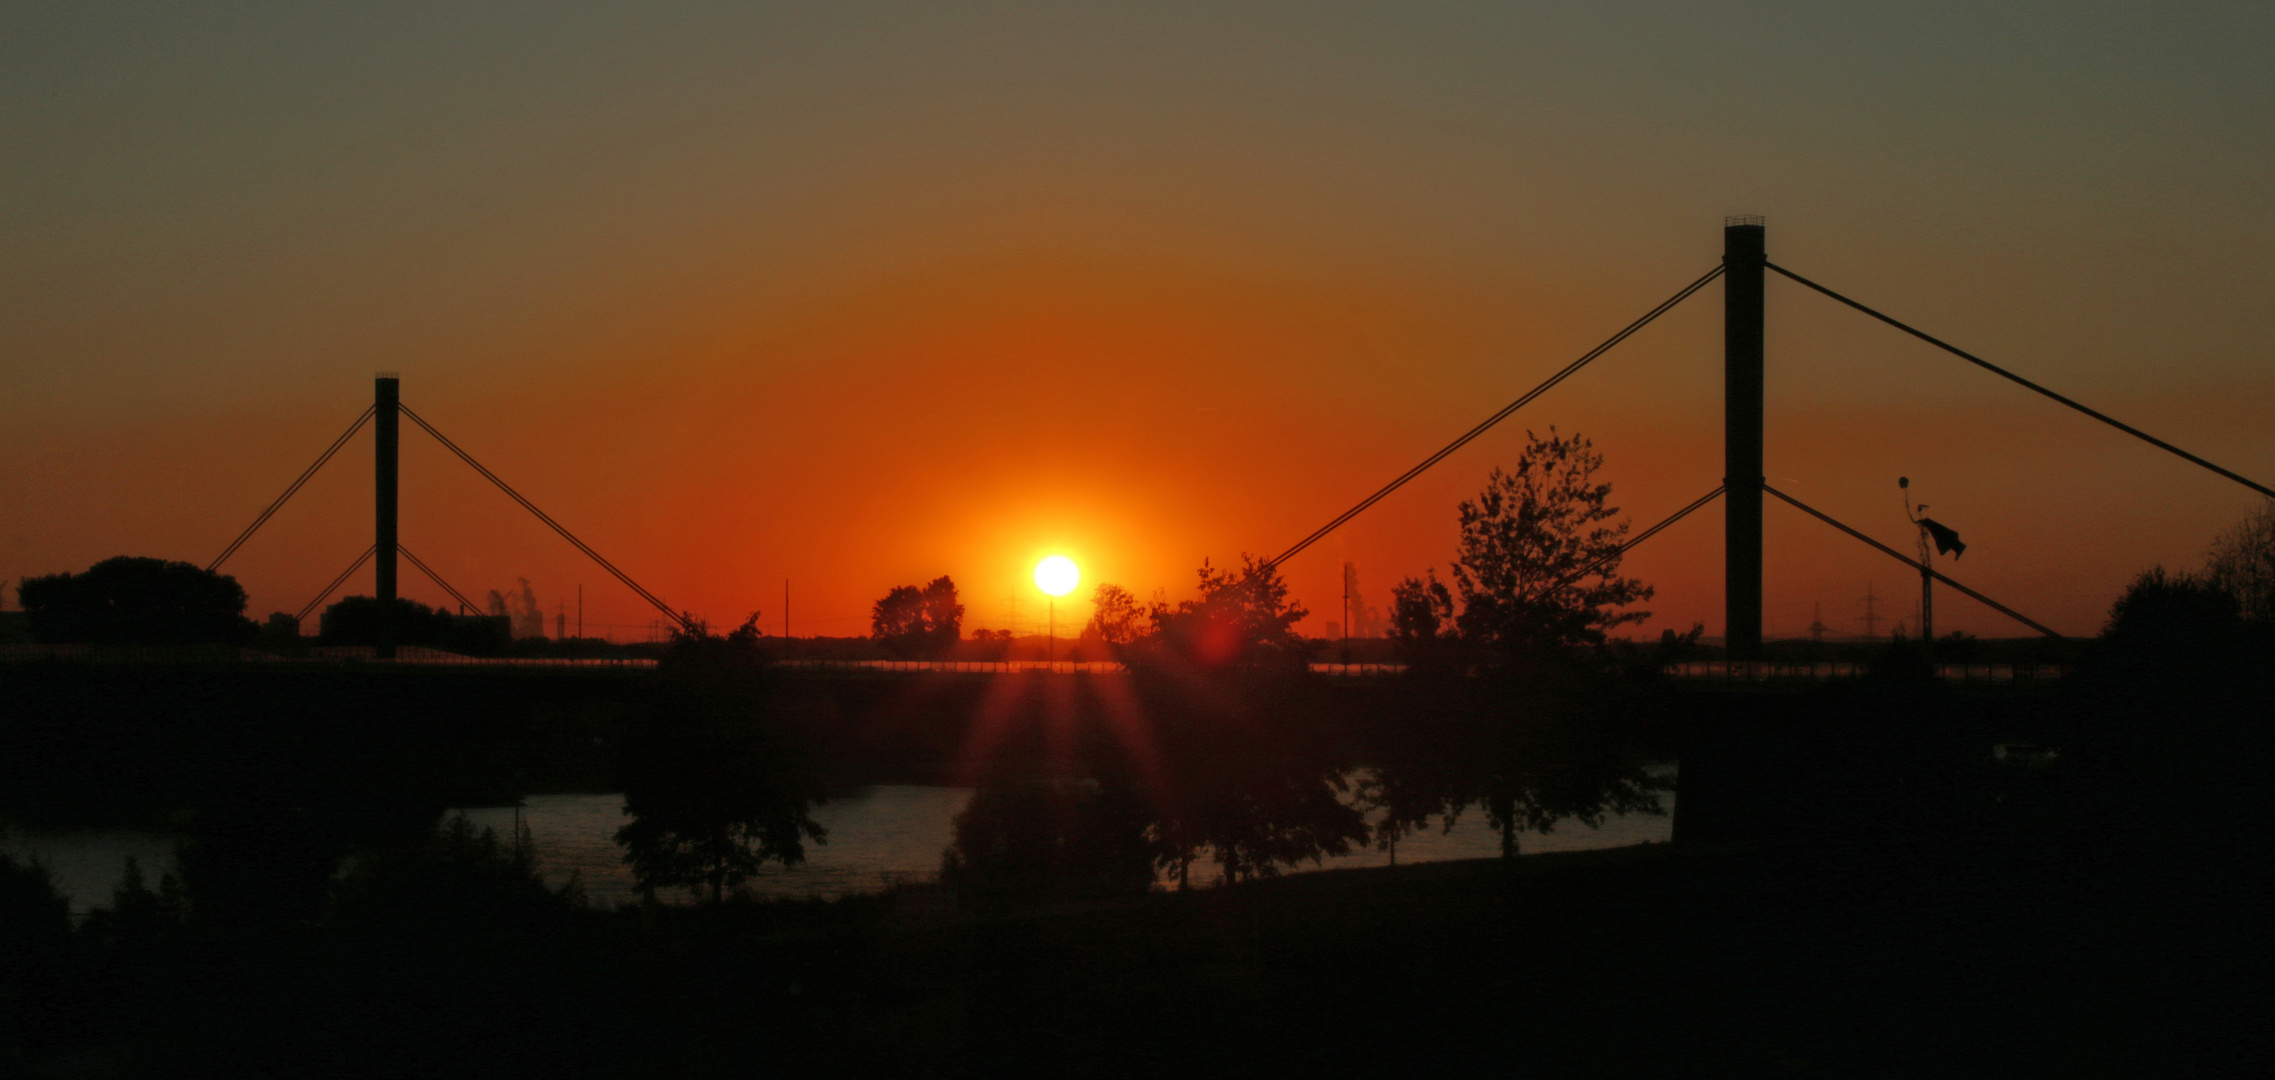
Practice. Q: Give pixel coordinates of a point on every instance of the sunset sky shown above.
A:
(856, 295)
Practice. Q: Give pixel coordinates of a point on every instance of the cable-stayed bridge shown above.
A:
(1744, 491)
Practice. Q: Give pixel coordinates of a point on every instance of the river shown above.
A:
(878, 835)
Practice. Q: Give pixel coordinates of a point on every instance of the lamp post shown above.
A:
(1056, 576)
(1927, 577)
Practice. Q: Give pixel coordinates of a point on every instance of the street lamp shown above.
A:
(1056, 576)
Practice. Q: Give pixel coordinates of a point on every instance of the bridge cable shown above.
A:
(1646, 534)
(2005, 374)
(683, 621)
(437, 579)
(1911, 562)
(1496, 418)
(344, 575)
(289, 492)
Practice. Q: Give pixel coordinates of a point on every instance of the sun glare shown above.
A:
(1056, 575)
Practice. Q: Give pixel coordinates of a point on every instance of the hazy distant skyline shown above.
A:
(858, 295)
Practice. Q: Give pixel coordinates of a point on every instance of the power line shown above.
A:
(1911, 562)
(2011, 376)
(344, 575)
(683, 621)
(288, 492)
(1494, 419)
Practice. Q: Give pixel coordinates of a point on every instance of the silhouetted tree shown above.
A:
(911, 622)
(715, 785)
(1116, 619)
(136, 601)
(1536, 738)
(2170, 623)
(1023, 842)
(356, 620)
(140, 919)
(1251, 777)
(280, 630)
(1241, 621)
(943, 616)
(1421, 622)
(453, 878)
(2242, 562)
(1538, 570)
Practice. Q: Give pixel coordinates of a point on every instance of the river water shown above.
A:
(877, 836)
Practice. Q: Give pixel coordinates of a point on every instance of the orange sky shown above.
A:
(862, 297)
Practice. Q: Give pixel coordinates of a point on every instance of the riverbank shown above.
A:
(1730, 960)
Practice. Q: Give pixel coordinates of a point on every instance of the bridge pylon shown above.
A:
(1745, 255)
(387, 405)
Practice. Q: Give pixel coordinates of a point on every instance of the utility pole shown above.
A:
(580, 609)
(1871, 614)
(387, 403)
(1744, 257)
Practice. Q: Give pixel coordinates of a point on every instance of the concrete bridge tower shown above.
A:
(1744, 256)
(387, 403)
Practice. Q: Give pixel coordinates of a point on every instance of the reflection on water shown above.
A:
(897, 831)
(878, 835)
(87, 864)
(874, 835)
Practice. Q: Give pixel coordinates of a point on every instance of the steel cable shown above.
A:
(328, 589)
(288, 492)
(681, 620)
(1911, 562)
(1494, 419)
(2011, 376)
(437, 579)
(1646, 534)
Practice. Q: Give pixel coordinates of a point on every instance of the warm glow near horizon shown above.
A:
(1057, 575)
(823, 302)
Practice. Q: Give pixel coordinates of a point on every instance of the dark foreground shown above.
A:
(1754, 961)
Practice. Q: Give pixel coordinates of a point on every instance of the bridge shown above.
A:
(1744, 490)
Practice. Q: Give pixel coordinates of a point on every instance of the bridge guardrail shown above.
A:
(1822, 671)
(406, 656)
(420, 656)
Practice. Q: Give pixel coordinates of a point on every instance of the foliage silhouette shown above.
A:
(357, 620)
(1422, 623)
(1518, 704)
(1538, 570)
(2172, 623)
(137, 601)
(1242, 621)
(455, 879)
(1116, 618)
(1020, 843)
(910, 622)
(715, 785)
(1252, 779)
(2242, 562)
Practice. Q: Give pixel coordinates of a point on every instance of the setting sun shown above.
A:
(1057, 575)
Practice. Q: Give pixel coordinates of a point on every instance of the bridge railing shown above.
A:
(1822, 671)
(406, 656)
(420, 656)
(1063, 667)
